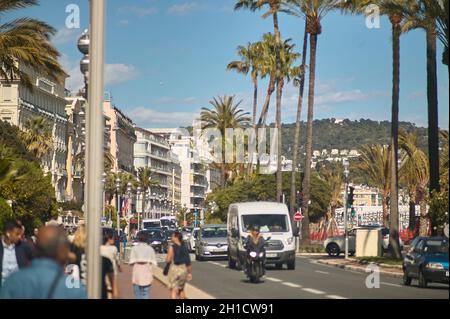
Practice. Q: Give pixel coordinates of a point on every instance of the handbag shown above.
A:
(166, 269)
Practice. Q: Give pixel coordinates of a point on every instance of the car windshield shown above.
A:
(152, 233)
(212, 232)
(151, 224)
(437, 246)
(171, 223)
(266, 223)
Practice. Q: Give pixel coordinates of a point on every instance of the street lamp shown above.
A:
(118, 184)
(129, 190)
(138, 208)
(83, 47)
(346, 172)
(104, 193)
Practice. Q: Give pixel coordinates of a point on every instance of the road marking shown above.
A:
(322, 272)
(313, 291)
(335, 297)
(392, 285)
(290, 284)
(274, 279)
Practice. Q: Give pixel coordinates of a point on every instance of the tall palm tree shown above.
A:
(146, 179)
(439, 9)
(225, 113)
(313, 12)
(250, 62)
(38, 136)
(274, 7)
(28, 41)
(334, 179)
(415, 175)
(394, 9)
(375, 162)
(421, 14)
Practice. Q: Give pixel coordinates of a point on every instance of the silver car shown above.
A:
(211, 242)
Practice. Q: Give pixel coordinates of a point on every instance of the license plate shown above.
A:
(271, 255)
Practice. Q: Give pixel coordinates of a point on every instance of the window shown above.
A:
(7, 93)
(267, 223)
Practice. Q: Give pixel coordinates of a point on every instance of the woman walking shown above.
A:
(142, 257)
(180, 266)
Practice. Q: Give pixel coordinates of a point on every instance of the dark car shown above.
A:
(426, 261)
(156, 239)
(168, 233)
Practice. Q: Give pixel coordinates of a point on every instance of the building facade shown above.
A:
(45, 99)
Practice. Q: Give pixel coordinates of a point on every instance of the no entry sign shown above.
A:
(298, 216)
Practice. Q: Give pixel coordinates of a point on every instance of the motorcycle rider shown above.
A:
(255, 242)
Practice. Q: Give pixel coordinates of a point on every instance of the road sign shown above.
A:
(298, 216)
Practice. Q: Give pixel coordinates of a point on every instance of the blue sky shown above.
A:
(166, 59)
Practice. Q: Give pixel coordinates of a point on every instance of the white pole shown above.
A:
(94, 148)
(346, 215)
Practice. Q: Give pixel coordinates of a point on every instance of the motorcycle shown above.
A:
(255, 264)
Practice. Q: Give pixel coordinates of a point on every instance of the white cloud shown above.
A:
(65, 35)
(173, 100)
(119, 73)
(148, 117)
(139, 11)
(185, 8)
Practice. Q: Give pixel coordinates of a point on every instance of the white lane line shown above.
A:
(273, 279)
(222, 265)
(322, 272)
(290, 284)
(335, 297)
(392, 285)
(313, 291)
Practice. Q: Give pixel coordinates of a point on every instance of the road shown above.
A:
(310, 280)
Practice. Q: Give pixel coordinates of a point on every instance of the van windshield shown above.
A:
(151, 224)
(267, 223)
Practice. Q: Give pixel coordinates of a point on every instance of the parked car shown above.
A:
(211, 242)
(426, 261)
(335, 245)
(156, 238)
(192, 238)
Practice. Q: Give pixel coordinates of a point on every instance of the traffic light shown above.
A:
(353, 212)
(350, 197)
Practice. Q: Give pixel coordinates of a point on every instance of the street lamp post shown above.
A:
(118, 181)
(104, 194)
(129, 190)
(346, 172)
(138, 207)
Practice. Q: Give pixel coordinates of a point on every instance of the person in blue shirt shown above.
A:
(45, 278)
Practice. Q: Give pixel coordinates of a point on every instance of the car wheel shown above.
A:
(291, 265)
(406, 278)
(279, 266)
(422, 280)
(333, 250)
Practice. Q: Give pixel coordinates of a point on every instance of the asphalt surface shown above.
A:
(309, 280)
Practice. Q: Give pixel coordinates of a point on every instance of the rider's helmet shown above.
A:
(255, 228)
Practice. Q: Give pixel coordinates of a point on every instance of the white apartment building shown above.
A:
(153, 150)
(46, 99)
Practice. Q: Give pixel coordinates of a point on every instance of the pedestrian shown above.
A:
(77, 255)
(45, 278)
(34, 236)
(180, 270)
(107, 276)
(108, 250)
(13, 255)
(142, 257)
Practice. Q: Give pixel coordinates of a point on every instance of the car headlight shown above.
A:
(261, 254)
(290, 240)
(252, 254)
(155, 242)
(434, 266)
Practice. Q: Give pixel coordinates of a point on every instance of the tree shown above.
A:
(375, 161)
(250, 62)
(38, 136)
(225, 113)
(27, 41)
(422, 14)
(313, 12)
(274, 7)
(415, 175)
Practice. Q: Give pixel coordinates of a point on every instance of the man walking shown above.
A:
(13, 255)
(45, 278)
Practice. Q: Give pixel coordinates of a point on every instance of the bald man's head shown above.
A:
(52, 243)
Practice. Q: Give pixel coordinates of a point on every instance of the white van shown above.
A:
(275, 224)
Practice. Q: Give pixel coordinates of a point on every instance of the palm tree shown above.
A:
(313, 12)
(334, 179)
(375, 162)
(394, 9)
(27, 41)
(250, 62)
(145, 178)
(439, 9)
(38, 136)
(274, 7)
(415, 175)
(421, 15)
(225, 113)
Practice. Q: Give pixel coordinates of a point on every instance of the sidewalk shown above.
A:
(351, 264)
(158, 290)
